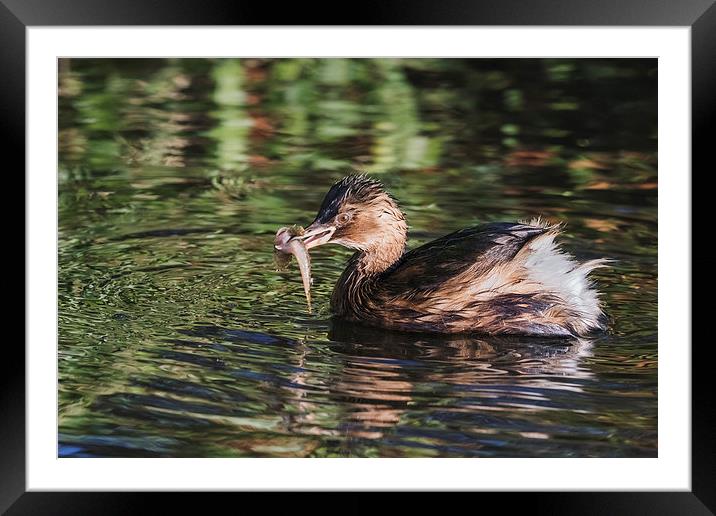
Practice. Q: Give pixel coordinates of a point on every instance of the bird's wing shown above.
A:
(481, 248)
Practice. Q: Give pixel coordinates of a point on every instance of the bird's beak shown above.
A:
(317, 234)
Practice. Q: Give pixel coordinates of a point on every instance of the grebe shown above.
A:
(496, 278)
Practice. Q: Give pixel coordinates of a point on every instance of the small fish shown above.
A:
(285, 246)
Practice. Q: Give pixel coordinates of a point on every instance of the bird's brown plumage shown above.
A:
(497, 278)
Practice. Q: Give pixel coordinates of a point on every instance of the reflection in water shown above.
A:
(361, 392)
(383, 368)
(379, 381)
(178, 338)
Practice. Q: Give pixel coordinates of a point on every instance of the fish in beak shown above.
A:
(288, 243)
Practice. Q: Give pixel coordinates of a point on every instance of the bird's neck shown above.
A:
(352, 292)
(373, 261)
(381, 255)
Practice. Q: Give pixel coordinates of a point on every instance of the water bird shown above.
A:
(494, 278)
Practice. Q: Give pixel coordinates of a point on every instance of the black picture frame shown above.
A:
(17, 15)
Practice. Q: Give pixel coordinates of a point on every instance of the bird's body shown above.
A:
(497, 278)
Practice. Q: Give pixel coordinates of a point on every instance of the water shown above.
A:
(177, 337)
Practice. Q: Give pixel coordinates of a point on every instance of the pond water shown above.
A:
(178, 338)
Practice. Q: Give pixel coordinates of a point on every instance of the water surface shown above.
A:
(177, 337)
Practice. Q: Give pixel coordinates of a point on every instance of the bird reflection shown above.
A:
(384, 375)
(521, 355)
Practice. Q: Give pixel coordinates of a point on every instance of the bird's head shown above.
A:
(359, 214)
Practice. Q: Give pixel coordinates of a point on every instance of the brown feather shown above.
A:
(498, 278)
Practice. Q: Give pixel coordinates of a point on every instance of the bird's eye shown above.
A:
(343, 218)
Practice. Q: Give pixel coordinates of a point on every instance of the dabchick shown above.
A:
(496, 278)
